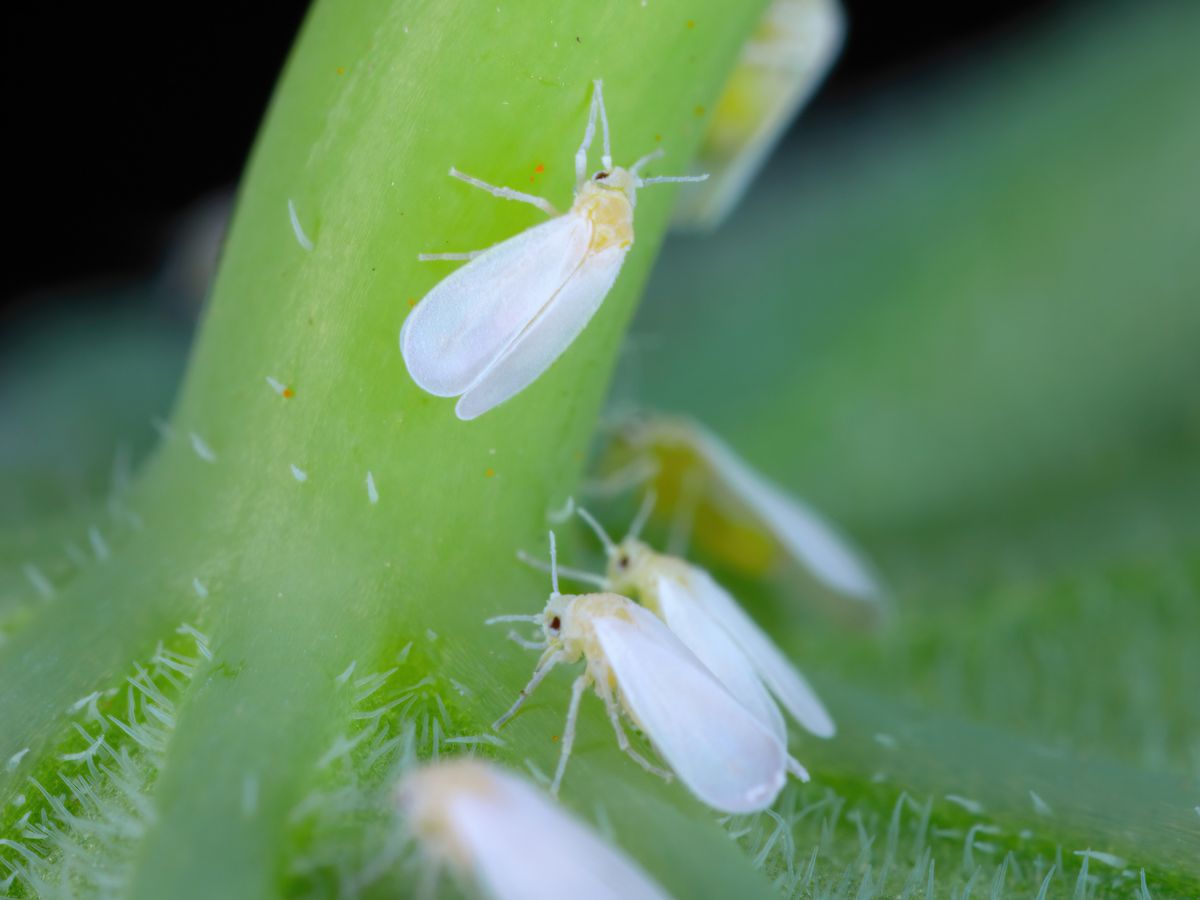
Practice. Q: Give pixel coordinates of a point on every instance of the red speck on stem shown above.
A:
(289, 393)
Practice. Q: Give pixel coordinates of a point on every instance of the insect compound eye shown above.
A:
(555, 623)
(600, 176)
(623, 560)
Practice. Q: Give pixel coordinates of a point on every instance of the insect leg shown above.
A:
(539, 673)
(527, 644)
(645, 160)
(614, 716)
(432, 257)
(505, 193)
(561, 515)
(470, 254)
(568, 738)
(635, 473)
(794, 767)
(674, 179)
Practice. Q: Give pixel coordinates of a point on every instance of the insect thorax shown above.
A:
(611, 214)
(578, 635)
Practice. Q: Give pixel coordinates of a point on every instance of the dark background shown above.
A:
(119, 121)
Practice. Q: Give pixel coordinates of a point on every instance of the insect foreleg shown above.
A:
(505, 193)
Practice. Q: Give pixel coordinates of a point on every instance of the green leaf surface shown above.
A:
(987, 307)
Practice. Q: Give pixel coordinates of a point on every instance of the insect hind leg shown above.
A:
(568, 738)
(468, 255)
(614, 716)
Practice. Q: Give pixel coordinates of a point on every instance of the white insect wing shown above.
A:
(776, 671)
(565, 315)
(524, 848)
(804, 534)
(694, 625)
(719, 749)
(471, 317)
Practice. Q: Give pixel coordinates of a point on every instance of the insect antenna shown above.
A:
(684, 519)
(643, 514)
(565, 571)
(609, 547)
(628, 476)
(553, 566)
(588, 134)
(606, 160)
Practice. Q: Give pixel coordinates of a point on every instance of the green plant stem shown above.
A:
(306, 576)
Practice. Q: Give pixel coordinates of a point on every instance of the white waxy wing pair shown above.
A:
(714, 627)
(781, 66)
(516, 844)
(491, 328)
(802, 533)
(806, 536)
(720, 750)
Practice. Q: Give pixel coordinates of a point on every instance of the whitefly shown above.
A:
(684, 461)
(490, 329)
(713, 625)
(721, 751)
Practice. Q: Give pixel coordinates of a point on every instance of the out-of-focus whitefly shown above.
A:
(781, 67)
(509, 841)
(734, 514)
